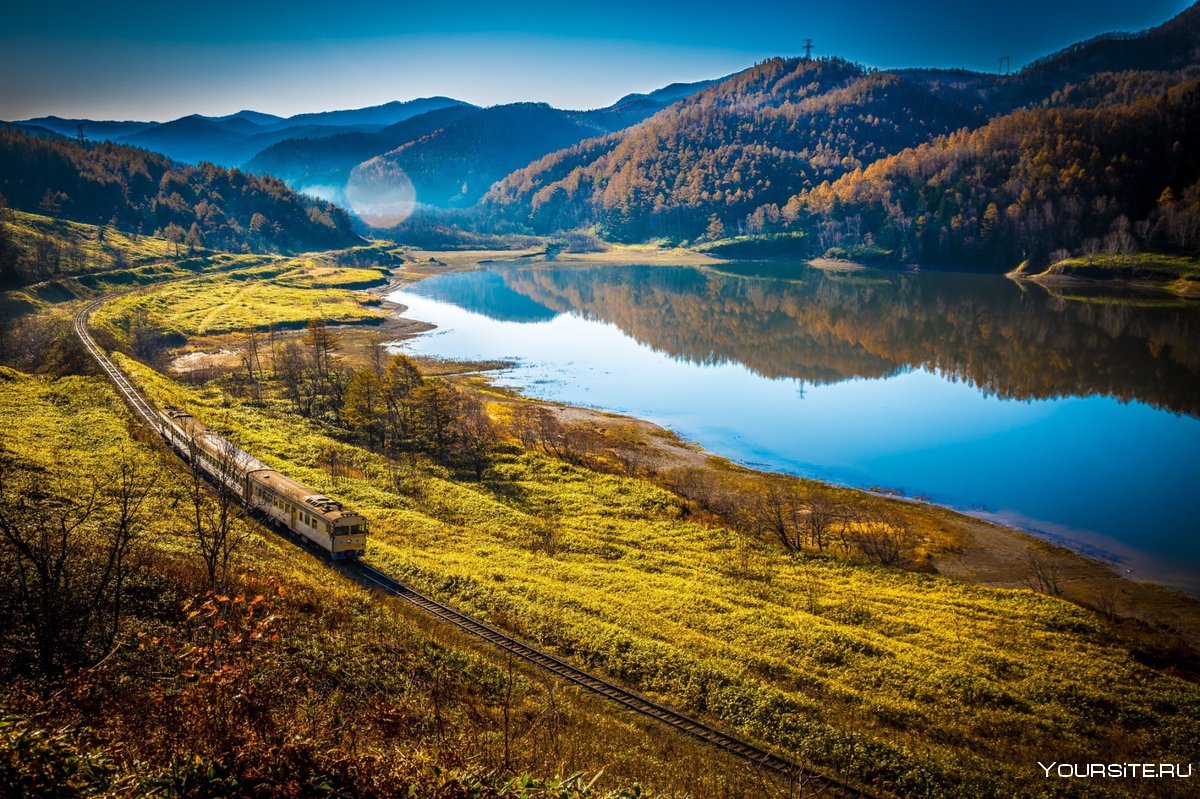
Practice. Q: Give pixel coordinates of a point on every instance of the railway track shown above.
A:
(797, 774)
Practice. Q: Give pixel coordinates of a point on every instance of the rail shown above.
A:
(373, 578)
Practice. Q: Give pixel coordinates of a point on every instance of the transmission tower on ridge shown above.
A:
(808, 49)
(1005, 64)
(79, 133)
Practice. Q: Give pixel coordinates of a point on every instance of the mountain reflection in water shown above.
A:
(1075, 417)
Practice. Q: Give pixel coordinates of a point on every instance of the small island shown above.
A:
(1179, 275)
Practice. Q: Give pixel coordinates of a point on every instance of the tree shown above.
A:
(322, 343)
(174, 234)
(289, 370)
(437, 407)
(194, 240)
(51, 203)
(475, 436)
(218, 516)
(252, 363)
(823, 514)
(882, 538)
(401, 379)
(65, 547)
(364, 409)
(715, 230)
(779, 511)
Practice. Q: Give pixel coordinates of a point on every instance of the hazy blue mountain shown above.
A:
(257, 117)
(232, 139)
(322, 164)
(377, 116)
(92, 129)
(454, 154)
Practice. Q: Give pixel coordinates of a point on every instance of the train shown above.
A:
(324, 522)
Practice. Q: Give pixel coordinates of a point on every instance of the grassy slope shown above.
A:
(922, 684)
(351, 690)
(122, 261)
(285, 293)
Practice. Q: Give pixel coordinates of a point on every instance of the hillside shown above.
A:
(281, 679)
(322, 165)
(744, 155)
(747, 143)
(454, 154)
(679, 589)
(1034, 185)
(137, 191)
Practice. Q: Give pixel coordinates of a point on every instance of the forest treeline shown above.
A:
(1037, 185)
(141, 192)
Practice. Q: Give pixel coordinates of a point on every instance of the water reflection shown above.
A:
(874, 378)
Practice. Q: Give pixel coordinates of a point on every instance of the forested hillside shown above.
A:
(1036, 184)
(138, 191)
(741, 147)
(1066, 149)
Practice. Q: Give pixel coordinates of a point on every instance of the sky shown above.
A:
(161, 60)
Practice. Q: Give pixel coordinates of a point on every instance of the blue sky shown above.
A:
(144, 60)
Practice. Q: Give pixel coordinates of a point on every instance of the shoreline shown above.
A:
(985, 551)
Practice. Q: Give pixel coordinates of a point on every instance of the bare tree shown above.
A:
(289, 369)
(218, 524)
(65, 547)
(1042, 573)
(252, 363)
(475, 437)
(779, 512)
(823, 514)
(882, 538)
(322, 342)
(1108, 599)
(540, 428)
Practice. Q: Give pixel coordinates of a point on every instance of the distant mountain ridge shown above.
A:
(453, 155)
(232, 139)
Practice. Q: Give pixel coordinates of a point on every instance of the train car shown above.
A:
(323, 521)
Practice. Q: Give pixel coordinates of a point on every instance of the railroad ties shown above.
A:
(761, 758)
(633, 701)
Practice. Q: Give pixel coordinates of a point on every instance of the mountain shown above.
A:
(376, 116)
(140, 191)
(748, 142)
(232, 139)
(749, 153)
(322, 165)
(455, 165)
(229, 141)
(257, 117)
(92, 129)
(467, 148)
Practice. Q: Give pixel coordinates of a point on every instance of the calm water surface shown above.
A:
(1074, 417)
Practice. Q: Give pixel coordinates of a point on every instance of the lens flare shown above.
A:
(380, 193)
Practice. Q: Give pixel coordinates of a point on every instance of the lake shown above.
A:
(1074, 417)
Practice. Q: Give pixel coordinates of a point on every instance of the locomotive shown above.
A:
(324, 522)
